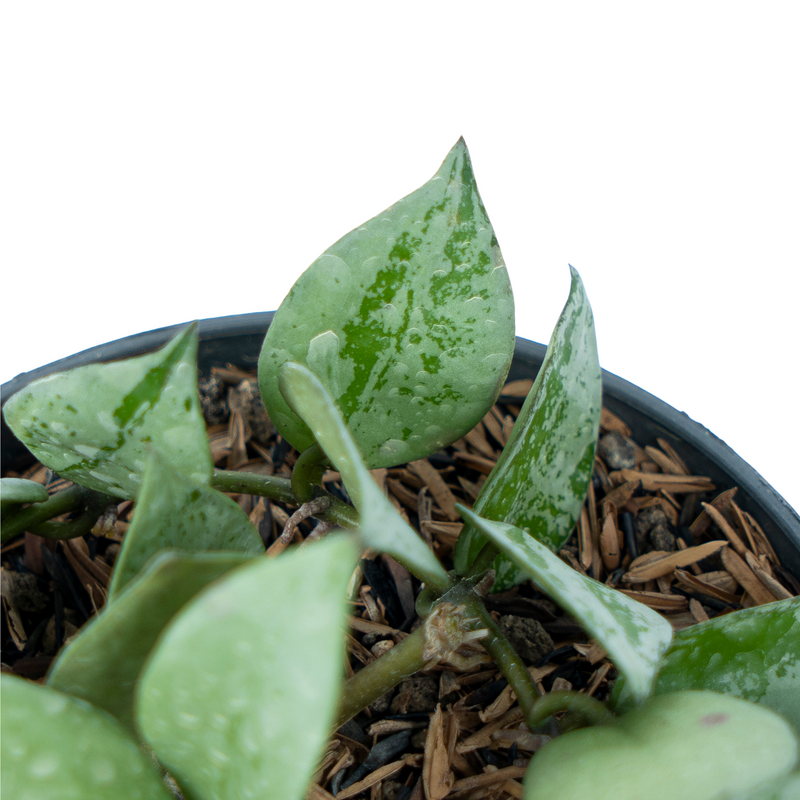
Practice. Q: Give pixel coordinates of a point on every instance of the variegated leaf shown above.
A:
(634, 636)
(93, 424)
(177, 512)
(408, 321)
(540, 481)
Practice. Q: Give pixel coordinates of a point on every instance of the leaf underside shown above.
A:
(238, 698)
(541, 479)
(634, 636)
(180, 513)
(408, 321)
(93, 424)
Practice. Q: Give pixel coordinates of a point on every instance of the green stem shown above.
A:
(375, 679)
(96, 503)
(280, 489)
(307, 472)
(593, 711)
(505, 656)
(60, 503)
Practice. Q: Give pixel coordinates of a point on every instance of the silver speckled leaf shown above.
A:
(238, 698)
(541, 479)
(634, 636)
(176, 512)
(101, 664)
(408, 320)
(56, 747)
(92, 424)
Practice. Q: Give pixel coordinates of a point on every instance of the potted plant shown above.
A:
(220, 665)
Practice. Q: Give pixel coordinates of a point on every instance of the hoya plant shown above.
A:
(215, 669)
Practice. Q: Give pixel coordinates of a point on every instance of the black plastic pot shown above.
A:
(237, 340)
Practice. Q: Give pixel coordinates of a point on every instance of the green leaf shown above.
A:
(14, 491)
(408, 320)
(380, 525)
(687, 745)
(55, 747)
(178, 513)
(101, 665)
(92, 424)
(634, 636)
(753, 654)
(541, 479)
(239, 696)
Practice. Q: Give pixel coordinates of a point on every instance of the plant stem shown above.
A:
(60, 503)
(505, 656)
(307, 472)
(375, 679)
(593, 711)
(96, 503)
(280, 489)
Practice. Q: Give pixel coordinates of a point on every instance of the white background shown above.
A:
(167, 161)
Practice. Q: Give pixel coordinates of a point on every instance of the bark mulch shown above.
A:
(672, 540)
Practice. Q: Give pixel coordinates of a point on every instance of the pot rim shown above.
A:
(779, 520)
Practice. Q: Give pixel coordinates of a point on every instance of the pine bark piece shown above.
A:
(664, 566)
(697, 611)
(611, 422)
(746, 578)
(730, 534)
(437, 777)
(663, 461)
(519, 388)
(777, 589)
(444, 498)
(696, 584)
(673, 455)
(379, 774)
(720, 502)
(609, 543)
(489, 778)
(658, 601)
(652, 482)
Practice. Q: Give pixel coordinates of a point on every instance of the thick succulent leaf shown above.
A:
(93, 424)
(14, 491)
(179, 513)
(56, 747)
(753, 654)
(240, 693)
(691, 745)
(543, 474)
(381, 526)
(634, 636)
(101, 665)
(408, 320)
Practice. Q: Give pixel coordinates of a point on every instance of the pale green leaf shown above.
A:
(239, 696)
(541, 479)
(101, 665)
(687, 745)
(380, 525)
(177, 512)
(14, 491)
(408, 320)
(753, 654)
(634, 636)
(93, 424)
(56, 747)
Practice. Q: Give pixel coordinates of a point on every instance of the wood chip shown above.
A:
(446, 531)
(597, 678)
(697, 611)
(374, 777)
(440, 491)
(720, 502)
(483, 737)
(658, 601)
(773, 586)
(730, 534)
(522, 738)
(611, 422)
(490, 778)
(437, 777)
(478, 463)
(477, 439)
(673, 455)
(746, 578)
(695, 584)
(652, 482)
(663, 461)
(654, 568)
(519, 388)
(609, 543)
